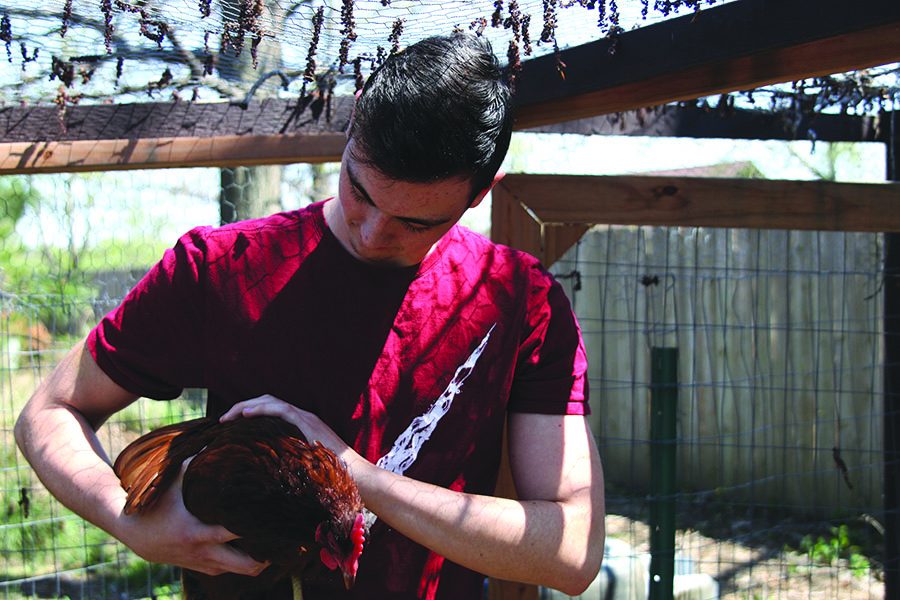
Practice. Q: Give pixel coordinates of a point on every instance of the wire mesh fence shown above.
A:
(71, 246)
(778, 455)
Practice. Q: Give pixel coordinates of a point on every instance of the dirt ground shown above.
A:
(760, 557)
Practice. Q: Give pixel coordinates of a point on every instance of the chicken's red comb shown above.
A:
(358, 536)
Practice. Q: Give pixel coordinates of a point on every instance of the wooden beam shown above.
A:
(515, 224)
(182, 134)
(511, 223)
(704, 202)
(149, 153)
(527, 214)
(269, 116)
(280, 116)
(166, 135)
(736, 46)
(691, 121)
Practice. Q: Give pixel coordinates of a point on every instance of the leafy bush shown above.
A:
(827, 550)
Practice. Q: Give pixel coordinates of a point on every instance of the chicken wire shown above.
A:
(764, 507)
(122, 49)
(68, 52)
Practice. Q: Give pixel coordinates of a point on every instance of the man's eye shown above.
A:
(415, 227)
(356, 195)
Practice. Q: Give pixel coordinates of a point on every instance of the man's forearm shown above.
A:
(58, 438)
(553, 538)
(541, 542)
(67, 457)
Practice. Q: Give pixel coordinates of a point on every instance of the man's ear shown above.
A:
(485, 191)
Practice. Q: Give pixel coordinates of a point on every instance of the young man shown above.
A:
(364, 319)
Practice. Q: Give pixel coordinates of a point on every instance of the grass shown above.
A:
(45, 549)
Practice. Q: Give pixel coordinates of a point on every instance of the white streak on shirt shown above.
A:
(406, 448)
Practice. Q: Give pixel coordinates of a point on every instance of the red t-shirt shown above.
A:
(277, 306)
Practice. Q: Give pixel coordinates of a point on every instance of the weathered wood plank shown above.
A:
(147, 153)
(736, 46)
(274, 116)
(691, 121)
(203, 134)
(706, 202)
(511, 224)
(181, 134)
(269, 116)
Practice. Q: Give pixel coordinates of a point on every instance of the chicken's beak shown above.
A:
(349, 579)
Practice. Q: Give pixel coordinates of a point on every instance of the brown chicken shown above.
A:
(293, 503)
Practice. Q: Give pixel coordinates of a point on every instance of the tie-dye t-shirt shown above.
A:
(277, 306)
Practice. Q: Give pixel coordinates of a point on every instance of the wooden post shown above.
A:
(892, 384)
(511, 225)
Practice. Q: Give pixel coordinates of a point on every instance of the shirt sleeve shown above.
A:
(551, 372)
(151, 344)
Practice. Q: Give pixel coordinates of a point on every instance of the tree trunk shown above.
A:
(249, 192)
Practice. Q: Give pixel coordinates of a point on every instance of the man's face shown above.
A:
(388, 222)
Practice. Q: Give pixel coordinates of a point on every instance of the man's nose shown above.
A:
(376, 228)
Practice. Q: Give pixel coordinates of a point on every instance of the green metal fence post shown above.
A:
(663, 410)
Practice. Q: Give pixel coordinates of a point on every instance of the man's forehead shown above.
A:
(360, 165)
(435, 212)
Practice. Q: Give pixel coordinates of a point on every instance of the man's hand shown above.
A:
(311, 425)
(56, 432)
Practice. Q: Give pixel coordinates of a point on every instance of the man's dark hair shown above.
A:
(437, 110)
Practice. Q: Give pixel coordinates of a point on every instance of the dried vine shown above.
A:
(548, 33)
(107, 10)
(497, 16)
(309, 74)
(348, 31)
(62, 100)
(66, 18)
(150, 28)
(6, 35)
(205, 8)
(394, 37)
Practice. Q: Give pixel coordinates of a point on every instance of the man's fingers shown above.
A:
(221, 535)
(224, 558)
(266, 405)
(184, 466)
(246, 407)
(232, 560)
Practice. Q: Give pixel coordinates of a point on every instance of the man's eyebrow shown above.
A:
(424, 222)
(358, 186)
(411, 220)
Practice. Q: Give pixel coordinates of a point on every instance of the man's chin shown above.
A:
(379, 259)
(383, 262)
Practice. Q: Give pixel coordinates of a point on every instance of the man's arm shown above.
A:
(552, 536)
(56, 432)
